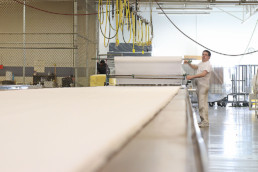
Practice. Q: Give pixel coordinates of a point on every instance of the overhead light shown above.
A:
(185, 12)
(248, 3)
(184, 9)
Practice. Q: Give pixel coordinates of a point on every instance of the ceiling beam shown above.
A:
(209, 2)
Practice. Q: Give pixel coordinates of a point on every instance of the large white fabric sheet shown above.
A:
(72, 129)
(156, 66)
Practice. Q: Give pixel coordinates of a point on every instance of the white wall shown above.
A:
(220, 32)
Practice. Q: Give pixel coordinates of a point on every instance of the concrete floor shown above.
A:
(232, 139)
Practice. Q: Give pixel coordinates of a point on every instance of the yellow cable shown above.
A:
(121, 16)
(117, 41)
(119, 21)
(145, 34)
(151, 35)
(138, 32)
(130, 27)
(127, 12)
(142, 38)
(107, 5)
(133, 21)
(148, 41)
(99, 14)
(141, 33)
(110, 25)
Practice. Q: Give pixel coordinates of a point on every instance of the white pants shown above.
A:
(202, 95)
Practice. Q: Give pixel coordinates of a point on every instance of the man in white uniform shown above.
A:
(203, 83)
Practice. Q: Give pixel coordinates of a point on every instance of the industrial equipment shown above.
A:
(148, 71)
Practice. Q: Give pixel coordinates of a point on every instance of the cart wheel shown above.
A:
(211, 104)
(224, 104)
(219, 104)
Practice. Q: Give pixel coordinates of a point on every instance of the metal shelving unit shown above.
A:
(241, 85)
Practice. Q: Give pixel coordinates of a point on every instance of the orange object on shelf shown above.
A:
(1, 66)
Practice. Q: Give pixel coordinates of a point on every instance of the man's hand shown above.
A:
(186, 62)
(189, 77)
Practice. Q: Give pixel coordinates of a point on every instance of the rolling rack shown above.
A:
(241, 85)
(240, 80)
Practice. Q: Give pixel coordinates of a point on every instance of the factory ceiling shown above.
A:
(243, 2)
(241, 10)
(208, 2)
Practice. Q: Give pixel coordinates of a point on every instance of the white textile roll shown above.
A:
(152, 66)
(156, 59)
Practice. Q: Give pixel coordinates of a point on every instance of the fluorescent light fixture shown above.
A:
(185, 9)
(248, 3)
(185, 12)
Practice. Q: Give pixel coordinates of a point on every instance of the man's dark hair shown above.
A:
(102, 61)
(209, 53)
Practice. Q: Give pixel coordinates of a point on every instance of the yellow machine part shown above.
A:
(99, 80)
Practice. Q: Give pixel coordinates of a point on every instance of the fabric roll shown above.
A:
(154, 67)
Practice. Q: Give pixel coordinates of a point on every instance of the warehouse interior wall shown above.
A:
(46, 43)
(219, 31)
